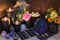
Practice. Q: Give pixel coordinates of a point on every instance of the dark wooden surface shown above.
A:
(43, 5)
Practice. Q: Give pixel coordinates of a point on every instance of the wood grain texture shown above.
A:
(43, 5)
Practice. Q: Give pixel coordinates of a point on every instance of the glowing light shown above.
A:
(17, 22)
(10, 10)
(5, 19)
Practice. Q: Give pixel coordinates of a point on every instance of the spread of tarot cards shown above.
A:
(29, 35)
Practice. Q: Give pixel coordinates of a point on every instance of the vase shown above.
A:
(53, 28)
(40, 26)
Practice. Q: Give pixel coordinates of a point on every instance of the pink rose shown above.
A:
(26, 16)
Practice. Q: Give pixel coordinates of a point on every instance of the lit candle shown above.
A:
(5, 24)
(17, 22)
(10, 10)
(16, 26)
(5, 19)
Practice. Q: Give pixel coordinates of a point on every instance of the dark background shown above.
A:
(43, 5)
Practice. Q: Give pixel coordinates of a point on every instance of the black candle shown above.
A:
(5, 24)
(16, 26)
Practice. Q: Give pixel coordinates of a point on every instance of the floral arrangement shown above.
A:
(26, 15)
(52, 16)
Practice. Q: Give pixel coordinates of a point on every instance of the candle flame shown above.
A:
(10, 10)
(17, 22)
(5, 19)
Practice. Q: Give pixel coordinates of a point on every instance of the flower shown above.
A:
(57, 21)
(50, 9)
(19, 16)
(58, 17)
(26, 16)
(49, 19)
(53, 14)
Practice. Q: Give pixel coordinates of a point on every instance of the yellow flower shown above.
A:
(53, 14)
(57, 21)
(49, 19)
(58, 17)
